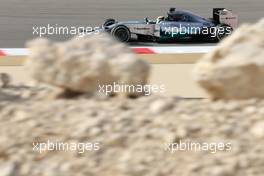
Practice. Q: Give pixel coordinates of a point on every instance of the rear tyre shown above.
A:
(223, 30)
(121, 33)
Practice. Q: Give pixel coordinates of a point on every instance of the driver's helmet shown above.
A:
(160, 18)
(171, 13)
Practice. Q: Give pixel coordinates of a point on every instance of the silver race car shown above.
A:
(177, 25)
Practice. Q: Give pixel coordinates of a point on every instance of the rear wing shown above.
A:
(225, 16)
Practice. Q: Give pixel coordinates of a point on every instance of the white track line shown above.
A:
(14, 51)
(155, 50)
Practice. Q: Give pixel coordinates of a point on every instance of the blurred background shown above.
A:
(17, 17)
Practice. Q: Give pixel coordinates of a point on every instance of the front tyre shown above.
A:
(121, 33)
(223, 30)
(109, 22)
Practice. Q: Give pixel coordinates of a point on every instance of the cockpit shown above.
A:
(179, 16)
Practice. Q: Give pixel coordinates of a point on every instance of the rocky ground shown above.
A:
(137, 136)
(132, 134)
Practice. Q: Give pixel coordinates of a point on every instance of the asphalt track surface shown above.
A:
(17, 17)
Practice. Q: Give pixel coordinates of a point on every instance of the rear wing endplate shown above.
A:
(225, 16)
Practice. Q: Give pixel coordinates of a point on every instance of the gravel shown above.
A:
(131, 135)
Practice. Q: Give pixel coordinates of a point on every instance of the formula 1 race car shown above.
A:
(178, 25)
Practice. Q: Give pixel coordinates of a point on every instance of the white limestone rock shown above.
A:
(235, 68)
(82, 64)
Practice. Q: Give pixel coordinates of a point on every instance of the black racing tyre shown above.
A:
(109, 22)
(121, 33)
(223, 30)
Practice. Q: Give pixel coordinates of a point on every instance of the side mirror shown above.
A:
(146, 19)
